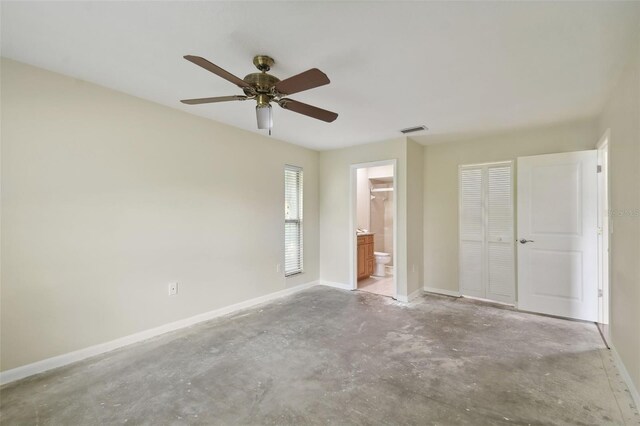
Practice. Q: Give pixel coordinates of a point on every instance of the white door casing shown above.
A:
(557, 233)
(399, 294)
(603, 231)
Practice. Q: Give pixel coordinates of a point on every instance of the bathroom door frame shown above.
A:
(353, 212)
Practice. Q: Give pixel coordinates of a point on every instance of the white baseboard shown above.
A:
(410, 297)
(71, 357)
(336, 285)
(442, 291)
(626, 376)
(497, 302)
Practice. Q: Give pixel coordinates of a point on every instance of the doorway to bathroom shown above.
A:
(374, 227)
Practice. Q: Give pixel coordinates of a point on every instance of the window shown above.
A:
(292, 220)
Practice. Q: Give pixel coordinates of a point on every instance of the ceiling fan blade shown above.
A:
(303, 81)
(308, 110)
(217, 71)
(212, 100)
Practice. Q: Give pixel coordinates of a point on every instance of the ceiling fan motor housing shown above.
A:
(261, 82)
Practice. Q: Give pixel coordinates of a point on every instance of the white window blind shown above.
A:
(293, 253)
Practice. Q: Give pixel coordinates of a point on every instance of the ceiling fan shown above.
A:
(266, 88)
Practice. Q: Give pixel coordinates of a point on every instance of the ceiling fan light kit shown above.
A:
(265, 117)
(265, 88)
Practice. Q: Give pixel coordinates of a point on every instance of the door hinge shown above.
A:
(600, 294)
(599, 168)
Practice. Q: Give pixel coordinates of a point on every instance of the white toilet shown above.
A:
(382, 259)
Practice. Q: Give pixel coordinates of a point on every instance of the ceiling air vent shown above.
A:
(414, 129)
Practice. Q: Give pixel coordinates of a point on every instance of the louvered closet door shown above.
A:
(500, 241)
(471, 232)
(486, 232)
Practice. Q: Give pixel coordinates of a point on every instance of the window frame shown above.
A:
(299, 220)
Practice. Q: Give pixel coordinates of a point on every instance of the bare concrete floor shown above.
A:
(338, 357)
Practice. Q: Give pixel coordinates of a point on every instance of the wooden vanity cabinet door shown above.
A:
(362, 263)
(369, 257)
(371, 264)
(366, 257)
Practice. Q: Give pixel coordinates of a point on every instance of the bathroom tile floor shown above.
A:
(378, 285)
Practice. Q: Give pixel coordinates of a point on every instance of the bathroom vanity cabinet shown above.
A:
(366, 258)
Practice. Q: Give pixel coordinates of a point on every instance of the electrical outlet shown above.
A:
(278, 267)
(173, 289)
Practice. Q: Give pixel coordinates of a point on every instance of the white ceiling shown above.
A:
(457, 67)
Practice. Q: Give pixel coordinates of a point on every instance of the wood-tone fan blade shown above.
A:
(212, 100)
(303, 81)
(217, 71)
(308, 110)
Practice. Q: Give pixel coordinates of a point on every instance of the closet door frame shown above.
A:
(485, 294)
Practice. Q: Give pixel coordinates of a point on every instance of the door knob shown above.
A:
(523, 241)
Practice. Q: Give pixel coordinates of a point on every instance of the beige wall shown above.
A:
(380, 172)
(441, 162)
(106, 198)
(622, 116)
(375, 215)
(335, 207)
(363, 192)
(415, 215)
(363, 199)
(335, 210)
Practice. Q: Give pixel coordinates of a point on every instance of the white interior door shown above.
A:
(557, 233)
(486, 231)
